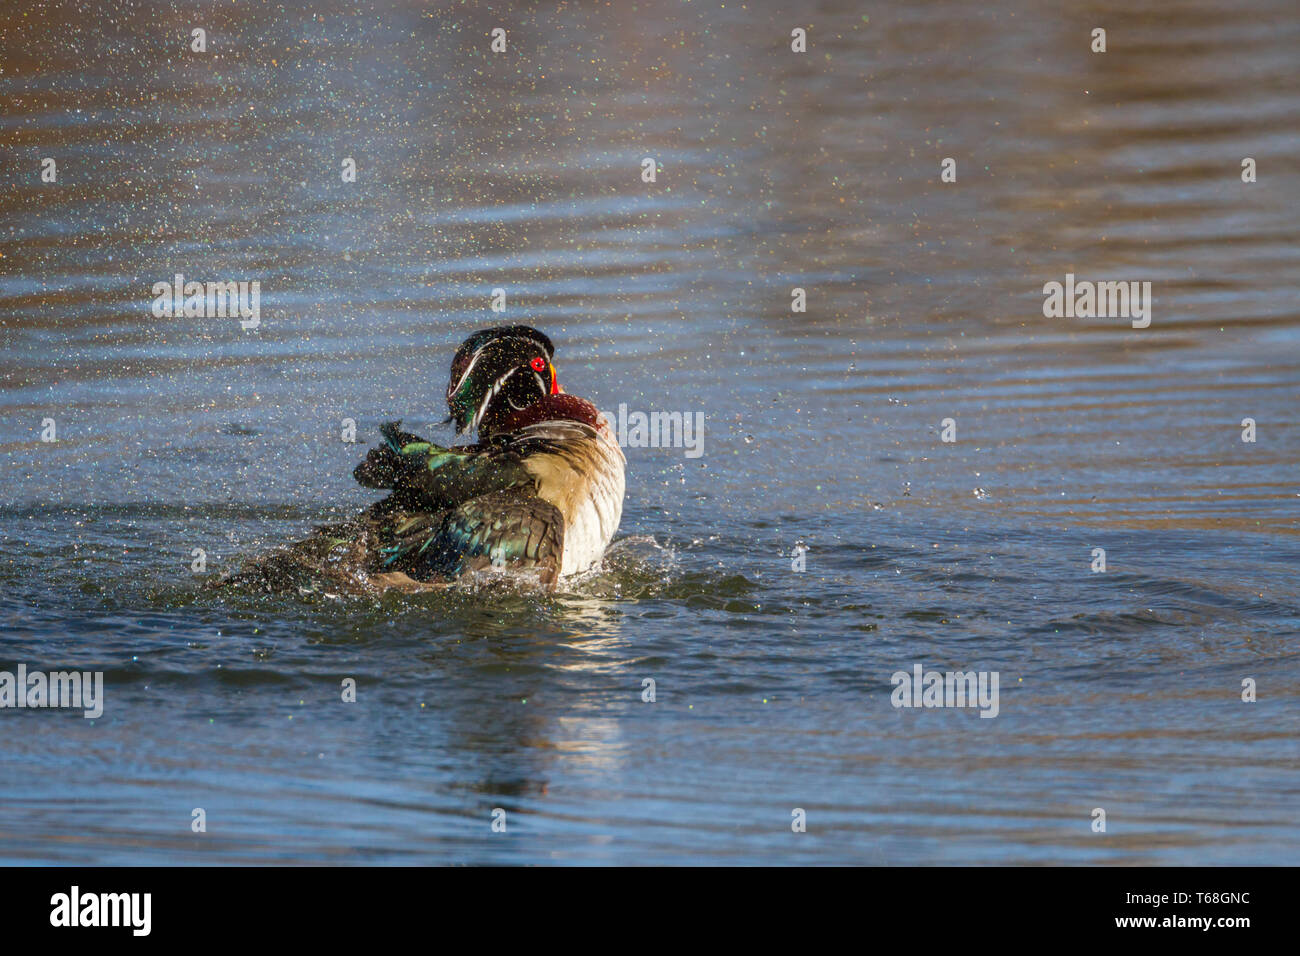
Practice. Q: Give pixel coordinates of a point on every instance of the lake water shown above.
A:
(522, 171)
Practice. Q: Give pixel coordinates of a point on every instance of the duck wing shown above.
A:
(429, 477)
(500, 529)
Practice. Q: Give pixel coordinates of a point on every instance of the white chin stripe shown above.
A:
(492, 393)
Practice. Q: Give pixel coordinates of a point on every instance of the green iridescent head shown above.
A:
(497, 371)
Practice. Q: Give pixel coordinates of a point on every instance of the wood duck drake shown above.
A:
(541, 491)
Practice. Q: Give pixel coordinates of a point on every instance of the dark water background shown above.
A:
(522, 171)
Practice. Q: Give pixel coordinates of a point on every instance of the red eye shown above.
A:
(538, 364)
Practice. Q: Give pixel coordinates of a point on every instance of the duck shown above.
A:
(538, 496)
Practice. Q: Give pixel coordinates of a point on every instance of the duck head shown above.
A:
(496, 372)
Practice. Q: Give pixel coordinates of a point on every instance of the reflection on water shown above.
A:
(521, 171)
